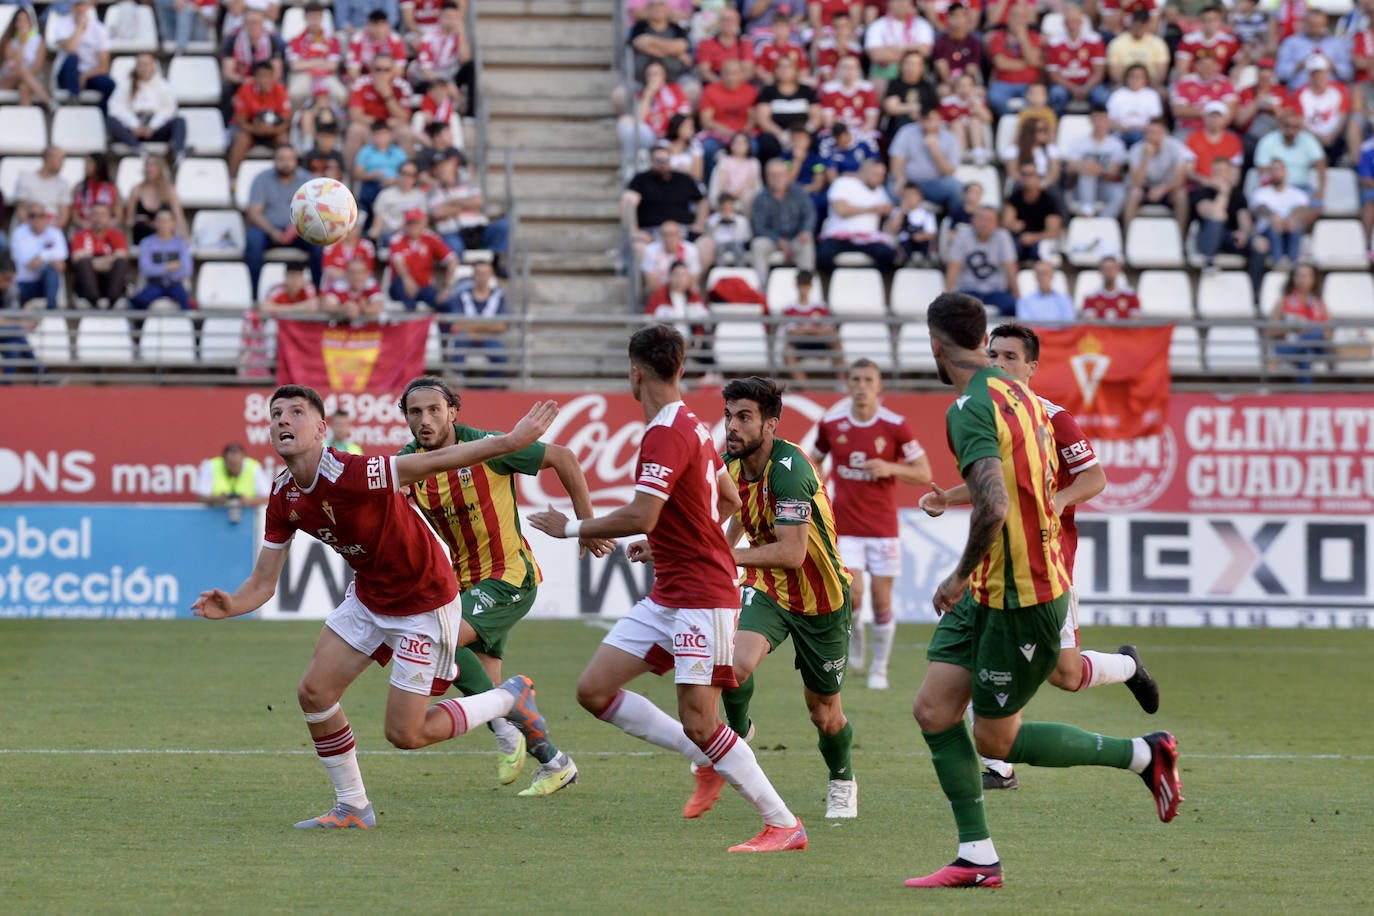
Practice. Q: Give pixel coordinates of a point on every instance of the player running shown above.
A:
(401, 604)
(687, 623)
(1015, 349)
(473, 509)
(794, 585)
(871, 448)
(1004, 605)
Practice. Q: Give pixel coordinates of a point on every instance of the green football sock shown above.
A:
(956, 766)
(472, 677)
(1053, 744)
(835, 749)
(736, 700)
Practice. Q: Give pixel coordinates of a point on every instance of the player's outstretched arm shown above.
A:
(639, 516)
(569, 471)
(422, 465)
(937, 501)
(260, 585)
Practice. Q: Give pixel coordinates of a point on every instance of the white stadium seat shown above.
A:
(913, 346)
(1271, 291)
(204, 131)
(224, 284)
(740, 345)
(1233, 348)
(1349, 294)
(168, 340)
(1090, 239)
(1072, 128)
(104, 340)
(293, 23)
(51, 342)
(203, 183)
(23, 130)
(1007, 126)
(195, 79)
(122, 66)
(132, 28)
(11, 167)
(857, 291)
(79, 130)
(274, 274)
(1339, 244)
(221, 339)
(1185, 351)
(434, 348)
(1154, 241)
(1165, 294)
(1084, 285)
(866, 339)
(243, 184)
(128, 175)
(217, 235)
(1225, 295)
(1342, 193)
(782, 288)
(913, 289)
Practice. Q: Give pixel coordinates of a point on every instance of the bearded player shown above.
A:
(871, 448)
(401, 606)
(473, 509)
(687, 623)
(1015, 349)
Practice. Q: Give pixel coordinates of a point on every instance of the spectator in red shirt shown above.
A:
(808, 331)
(314, 57)
(338, 256)
(725, 45)
(294, 297)
(1016, 59)
(1325, 107)
(1076, 64)
(1309, 333)
(382, 95)
(958, 50)
(655, 106)
(375, 40)
(99, 261)
(1114, 299)
(1212, 38)
(95, 188)
(726, 108)
(1257, 112)
(356, 297)
(262, 115)
(767, 56)
(839, 40)
(251, 44)
(850, 100)
(1193, 91)
(414, 253)
(1212, 141)
(445, 54)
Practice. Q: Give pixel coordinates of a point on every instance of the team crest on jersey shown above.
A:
(328, 510)
(465, 477)
(880, 443)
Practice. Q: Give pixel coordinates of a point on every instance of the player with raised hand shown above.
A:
(871, 448)
(1002, 609)
(401, 604)
(1015, 349)
(473, 509)
(687, 622)
(794, 584)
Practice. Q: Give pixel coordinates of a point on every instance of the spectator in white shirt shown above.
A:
(40, 252)
(144, 107)
(858, 205)
(85, 44)
(1279, 208)
(670, 247)
(1132, 106)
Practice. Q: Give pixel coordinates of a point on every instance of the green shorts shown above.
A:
(491, 608)
(1010, 652)
(821, 642)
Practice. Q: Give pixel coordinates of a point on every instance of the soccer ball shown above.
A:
(323, 211)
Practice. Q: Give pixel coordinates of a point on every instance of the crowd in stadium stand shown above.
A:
(966, 136)
(371, 92)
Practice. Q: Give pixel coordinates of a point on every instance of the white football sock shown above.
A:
(635, 715)
(883, 635)
(735, 761)
(483, 707)
(1108, 668)
(1141, 755)
(503, 730)
(339, 755)
(979, 852)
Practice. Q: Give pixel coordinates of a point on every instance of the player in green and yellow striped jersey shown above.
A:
(1003, 606)
(794, 582)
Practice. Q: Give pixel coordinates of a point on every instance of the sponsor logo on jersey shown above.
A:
(376, 473)
(792, 510)
(698, 668)
(1028, 650)
(836, 665)
(786, 462)
(996, 678)
(654, 474)
(694, 639)
(1002, 698)
(959, 401)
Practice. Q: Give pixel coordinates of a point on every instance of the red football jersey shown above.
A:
(678, 463)
(426, 11)
(354, 508)
(1362, 45)
(99, 245)
(366, 97)
(340, 253)
(280, 295)
(865, 506)
(315, 47)
(1223, 46)
(362, 50)
(1074, 60)
(828, 54)
(1121, 302)
(850, 106)
(440, 49)
(1076, 455)
(419, 255)
(952, 108)
(340, 290)
(766, 58)
(1193, 92)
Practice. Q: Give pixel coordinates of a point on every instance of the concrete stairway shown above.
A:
(547, 78)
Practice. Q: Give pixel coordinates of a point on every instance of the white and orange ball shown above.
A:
(323, 211)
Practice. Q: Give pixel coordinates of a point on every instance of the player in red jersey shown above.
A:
(402, 605)
(871, 449)
(1015, 349)
(687, 623)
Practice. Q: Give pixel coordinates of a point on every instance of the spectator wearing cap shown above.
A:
(382, 95)
(262, 115)
(784, 221)
(1159, 174)
(144, 107)
(269, 214)
(1257, 112)
(460, 215)
(388, 210)
(376, 165)
(1098, 163)
(1212, 141)
(1302, 155)
(1113, 299)
(164, 260)
(252, 44)
(85, 60)
(414, 253)
(40, 253)
(1193, 91)
(925, 153)
(1017, 54)
(374, 40)
(660, 194)
(313, 58)
(1076, 64)
(1325, 107)
(1138, 45)
(1297, 49)
(1045, 303)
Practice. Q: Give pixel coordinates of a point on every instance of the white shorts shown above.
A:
(879, 556)
(420, 646)
(697, 644)
(1068, 633)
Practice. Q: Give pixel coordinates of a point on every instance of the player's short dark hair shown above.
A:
(660, 349)
(340, 413)
(762, 391)
(1030, 341)
(959, 318)
(863, 362)
(434, 382)
(233, 447)
(304, 392)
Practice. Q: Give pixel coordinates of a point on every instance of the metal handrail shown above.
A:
(480, 110)
(625, 65)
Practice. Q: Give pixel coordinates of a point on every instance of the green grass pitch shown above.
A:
(115, 800)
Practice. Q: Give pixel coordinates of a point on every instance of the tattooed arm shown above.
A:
(988, 493)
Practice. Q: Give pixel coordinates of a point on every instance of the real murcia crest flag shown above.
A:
(1089, 367)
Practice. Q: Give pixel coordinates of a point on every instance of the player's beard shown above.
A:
(941, 373)
(744, 449)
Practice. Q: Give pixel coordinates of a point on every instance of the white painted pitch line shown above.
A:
(303, 752)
